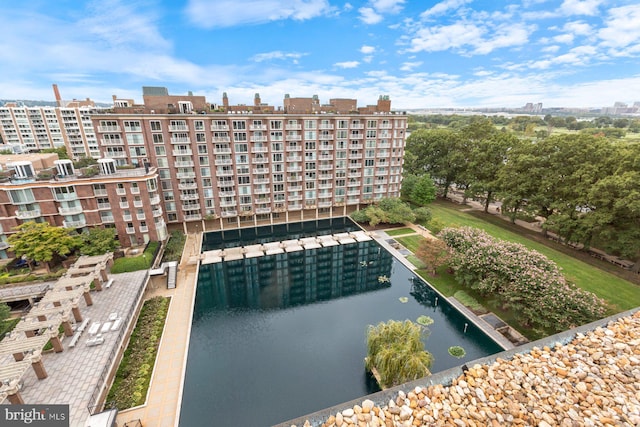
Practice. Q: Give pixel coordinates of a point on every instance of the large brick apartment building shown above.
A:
(179, 161)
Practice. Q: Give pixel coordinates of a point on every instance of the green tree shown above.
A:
(42, 242)
(434, 253)
(423, 215)
(98, 241)
(424, 191)
(409, 182)
(438, 152)
(395, 350)
(5, 311)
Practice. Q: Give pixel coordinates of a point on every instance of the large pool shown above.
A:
(280, 336)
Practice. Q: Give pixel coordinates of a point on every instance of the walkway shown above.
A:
(162, 408)
(75, 373)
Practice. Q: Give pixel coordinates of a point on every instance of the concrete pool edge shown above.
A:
(446, 377)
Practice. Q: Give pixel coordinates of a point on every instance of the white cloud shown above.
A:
(578, 28)
(367, 59)
(461, 34)
(387, 6)
(375, 9)
(580, 7)
(504, 36)
(622, 27)
(551, 49)
(277, 54)
(409, 66)
(367, 50)
(444, 37)
(229, 13)
(563, 38)
(347, 64)
(443, 7)
(369, 16)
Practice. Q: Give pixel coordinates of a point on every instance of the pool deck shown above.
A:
(162, 408)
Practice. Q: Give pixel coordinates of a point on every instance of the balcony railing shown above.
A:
(157, 213)
(263, 210)
(175, 140)
(63, 197)
(154, 200)
(109, 129)
(182, 152)
(227, 214)
(107, 219)
(186, 175)
(257, 127)
(131, 230)
(259, 150)
(70, 210)
(144, 229)
(227, 194)
(191, 207)
(194, 196)
(293, 127)
(109, 141)
(30, 214)
(127, 217)
(222, 151)
(140, 217)
(187, 186)
(178, 128)
(74, 224)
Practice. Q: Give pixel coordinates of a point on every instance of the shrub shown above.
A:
(523, 280)
(395, 350)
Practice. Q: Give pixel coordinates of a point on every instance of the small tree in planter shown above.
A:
(396, 354)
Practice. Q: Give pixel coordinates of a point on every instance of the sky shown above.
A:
(421, 53)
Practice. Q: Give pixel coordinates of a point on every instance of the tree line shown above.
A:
(585, 186)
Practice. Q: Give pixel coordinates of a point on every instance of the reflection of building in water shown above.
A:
(294, 278)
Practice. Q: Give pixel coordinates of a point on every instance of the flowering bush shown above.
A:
(525, 281)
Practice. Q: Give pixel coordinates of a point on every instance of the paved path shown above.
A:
(162, 408)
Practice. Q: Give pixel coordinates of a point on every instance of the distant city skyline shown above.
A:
(453, 53)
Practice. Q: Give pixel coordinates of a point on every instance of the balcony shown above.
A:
(121, 191)
(154, 200)
(356, 147)
(131, 230)
(325, 167)
(188, 186)
(107, 219)
(178, 128)
(30, 214)
(294, 158)
(261, 190)
(219, 127)
(111, 141)
(293, 137)
(175, 140)
(263, 210)
(257, 127)
(135, 190)
(144, 229)
(75, 210)
(258, 139)
(185, 164)
(261, 171)
(140, 217)
(109, 129)
(293, 127)
(63, 197)
(261, 181)
(259, 149)
(185, 175)
(157, 213)
(294, 207)
(227, 203)
(222, 162)
(294, 179)
(326, 127)
(227, 194)
(381, 155)
(384, 145)
(353, 193)
(294, 169)
(227, 214)
(127, 218)
(191, 207)
(355, 165)
(225, 173)
(325, 186)
(354, 184)
(221, 139)
(193, 196)
(182, 152)
(222, 151)
(294, 148)
(294, 198)
(325, 147)
(118, 155)
(100, 192)
(124, 205)
(74, 224)
(356, 126)
(325, 137)
(353, 201)
(325, 204)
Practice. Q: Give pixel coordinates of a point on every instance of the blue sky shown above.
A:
(423, 54)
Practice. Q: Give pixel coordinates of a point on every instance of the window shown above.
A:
(276, 124)
(309, 145)
(243, 180)
(205, 172)
(241, 148)
(157, 138)
(198, 125)
(372, 124)
(203, 160)
(310, 124)
(309, 134)
(132, 126)
(239, 124)
(162, 162)
(160, 151)
(138, 151)
(155, 125)
(202, 149)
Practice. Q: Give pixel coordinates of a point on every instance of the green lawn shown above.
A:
(411, 242)
(400, 231)
(621, 294)
(140, 262)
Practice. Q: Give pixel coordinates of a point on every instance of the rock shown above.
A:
(348, 413)
(367, 405)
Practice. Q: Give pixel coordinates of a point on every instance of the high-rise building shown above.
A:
(179, 160)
